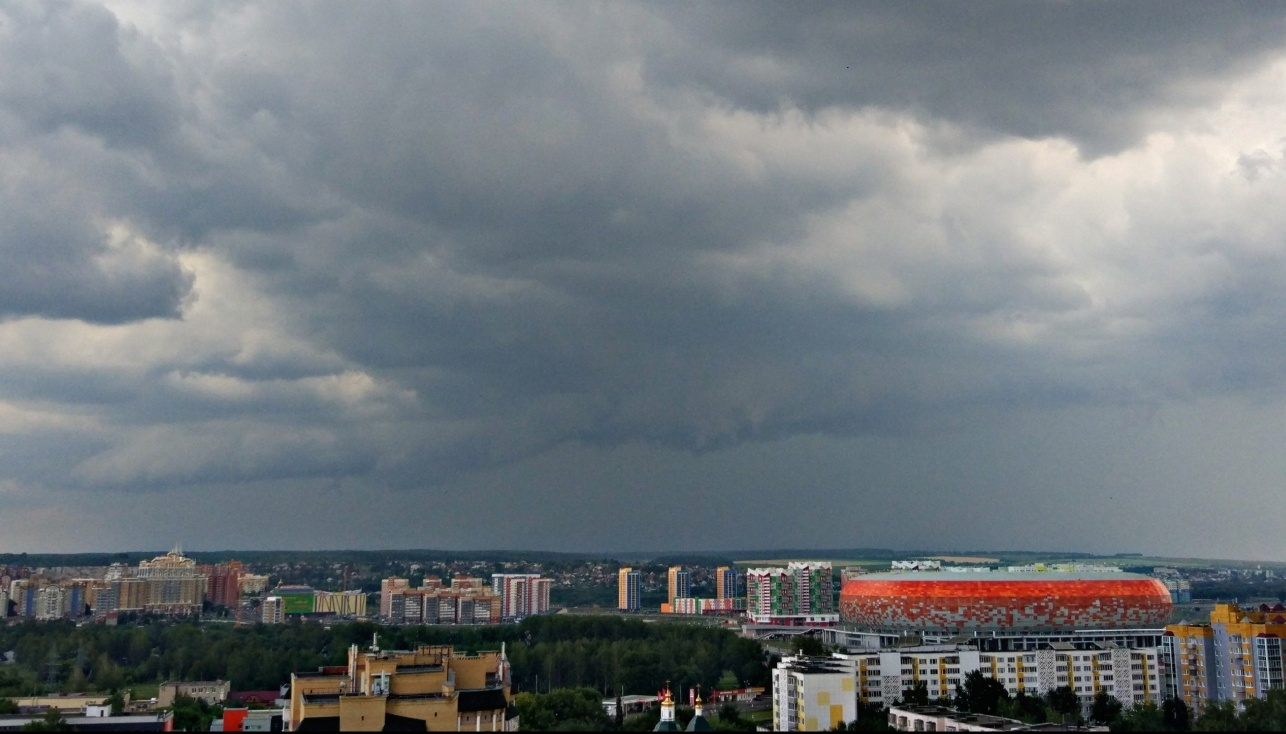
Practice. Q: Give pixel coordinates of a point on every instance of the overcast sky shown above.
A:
(653, 276)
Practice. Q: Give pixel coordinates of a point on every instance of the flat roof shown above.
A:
(1048, 576)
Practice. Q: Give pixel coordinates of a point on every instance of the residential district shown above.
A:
(904, 648)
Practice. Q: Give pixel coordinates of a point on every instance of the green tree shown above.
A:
(870, 717)
(1105, 709)
(727, 682)
(193, 714)
(1025, 707)
(117, 702)
(1140, 717)
(807, 645)
(53, 721)
(8, 706)
(980, 694)
(729, 718)
(1265, 714)
(563, 709)
(1064, 701)
(917, 694)
(1174, 713)
(1218, 716)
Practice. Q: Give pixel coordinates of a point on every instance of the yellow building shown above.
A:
(679, 584)
(168, 584)
(1238, 655)
(399, 688)
(629, 592)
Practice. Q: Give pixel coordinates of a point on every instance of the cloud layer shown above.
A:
(502, 261)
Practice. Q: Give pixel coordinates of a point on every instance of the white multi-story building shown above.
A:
(273, 610)
(941, 718)
(813, 694)
(49, 603)
(1130, 675)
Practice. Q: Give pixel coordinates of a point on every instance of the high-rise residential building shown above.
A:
(49, 603)
(466, 600)
(629, 596)
(4, 604)
(680, 583)
(223, 583)
(521, 594)
(273, 610)
(172, 584)
(22, 592)
(803, 593)
(725, 582)
(1237, 656)
(387, 587)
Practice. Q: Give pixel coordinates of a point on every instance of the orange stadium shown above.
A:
(1003, 600)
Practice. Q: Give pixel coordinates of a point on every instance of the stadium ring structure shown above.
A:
(944, 601)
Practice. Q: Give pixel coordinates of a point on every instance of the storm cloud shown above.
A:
(616, 276)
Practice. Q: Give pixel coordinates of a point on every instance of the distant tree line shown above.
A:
(556, 651)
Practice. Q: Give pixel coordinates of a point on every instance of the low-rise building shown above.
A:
(941, 718)
(432, 686)
(158, 721)
(210, 691)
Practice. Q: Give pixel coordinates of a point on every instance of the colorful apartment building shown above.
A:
(802, 593)
(1237, 656)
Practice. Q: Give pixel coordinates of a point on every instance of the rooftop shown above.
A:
(993, 576)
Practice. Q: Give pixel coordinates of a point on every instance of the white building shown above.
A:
(49, 603)
(273, 610)
(813, 694)
(1129, 675)
(941, 718)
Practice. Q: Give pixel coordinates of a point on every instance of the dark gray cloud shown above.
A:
(528, 256)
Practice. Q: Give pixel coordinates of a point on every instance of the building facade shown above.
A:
(813, 693)
(629, 593)
(211, 691)
(274, 610)
(801, 594)
(431, 687)
(679, 584)
(725, 583)
(1130, 675)
(466, 601)
(521, 594)
(1237, 656)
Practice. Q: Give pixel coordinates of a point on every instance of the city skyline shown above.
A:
(312, 275)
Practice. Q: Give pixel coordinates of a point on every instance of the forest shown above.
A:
(556, 651)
